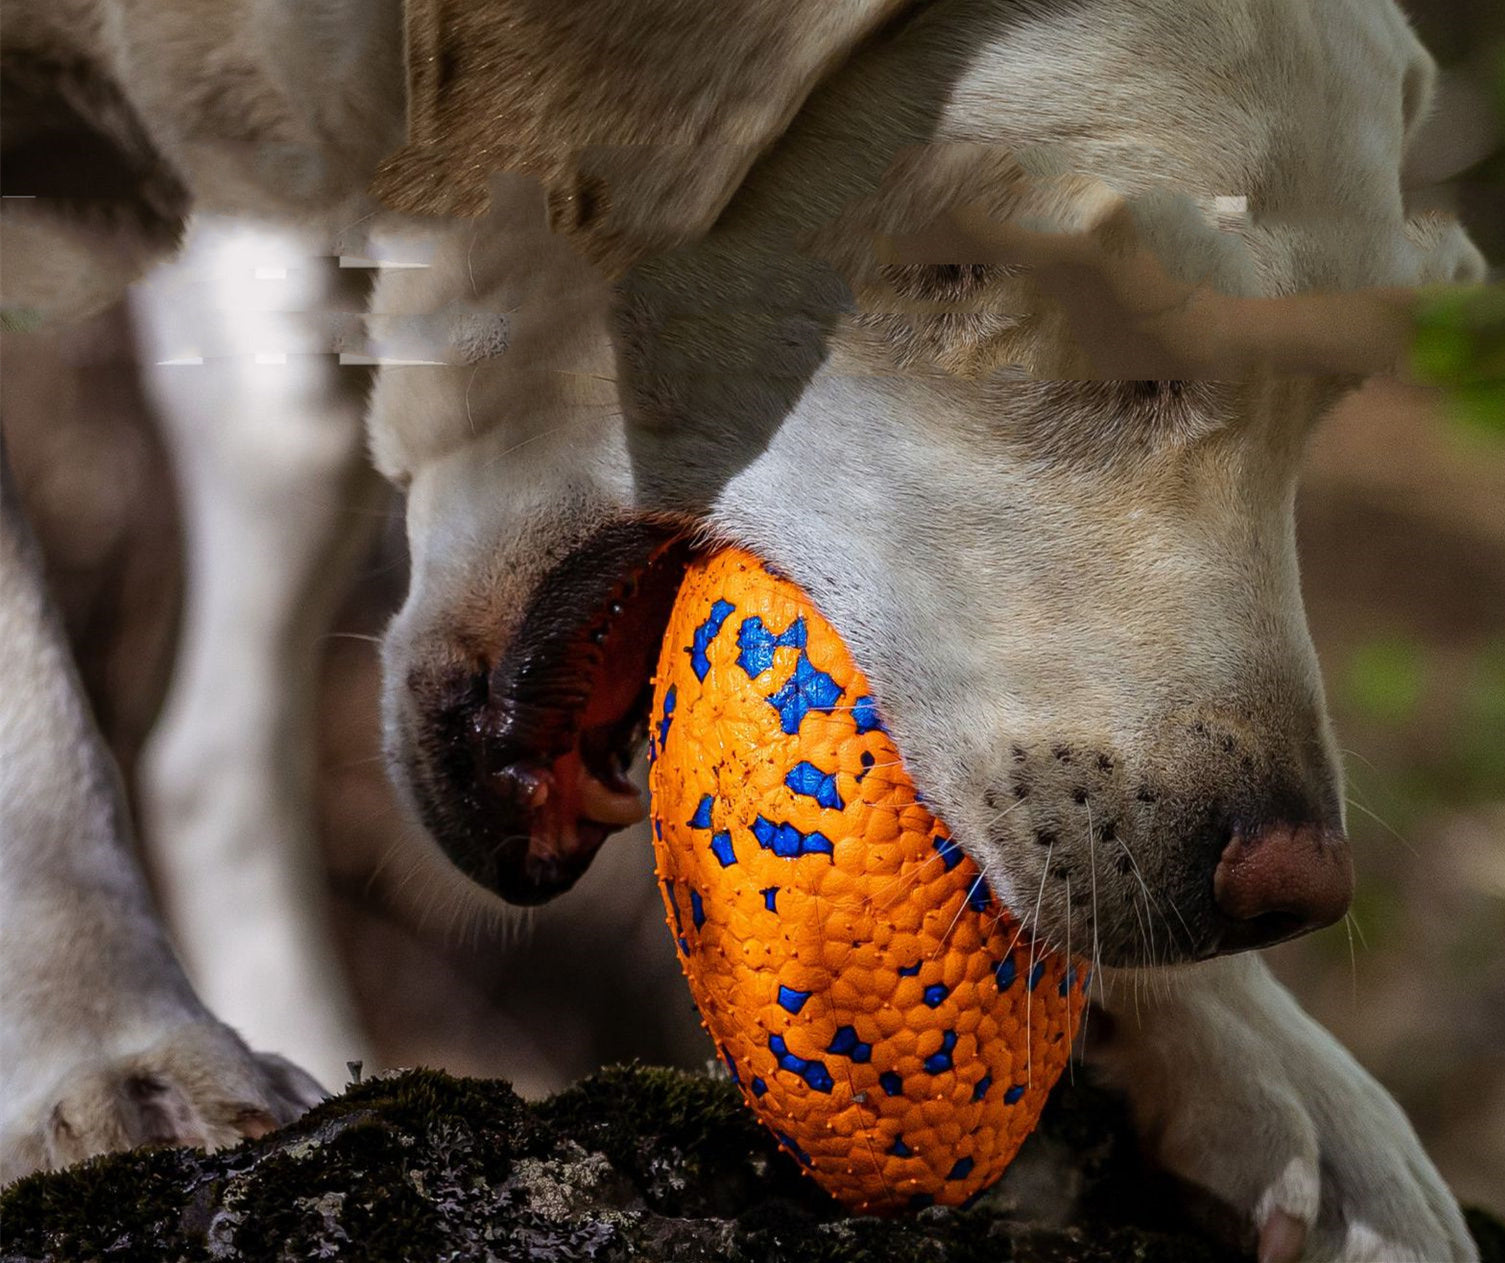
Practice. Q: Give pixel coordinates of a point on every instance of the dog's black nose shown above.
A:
(1279, 881)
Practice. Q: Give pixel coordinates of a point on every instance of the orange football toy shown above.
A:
(878, 1008)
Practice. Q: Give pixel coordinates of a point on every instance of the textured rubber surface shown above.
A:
(879, 1010)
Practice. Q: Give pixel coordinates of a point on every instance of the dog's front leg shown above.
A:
(1236, 1089)
(103, 1043)
(278, 508)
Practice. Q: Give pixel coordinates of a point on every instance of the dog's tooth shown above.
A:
(609, 806)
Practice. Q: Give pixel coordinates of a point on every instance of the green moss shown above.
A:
(103, 1208)
(634, 1163)
(687, 1141)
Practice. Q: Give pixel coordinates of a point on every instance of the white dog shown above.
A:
(683, 282)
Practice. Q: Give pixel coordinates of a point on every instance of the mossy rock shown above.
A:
(634, 1163)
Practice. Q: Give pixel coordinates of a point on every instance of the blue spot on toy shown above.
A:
(865, 716)
(791, 999)
(814, 1073)
(806, 690)
(940, 1062)
(846, 1044)
(721, 848)
(706, 633)
(805, 778)
(787, 842)
(757, 644)
(979, 895)
(950, 853)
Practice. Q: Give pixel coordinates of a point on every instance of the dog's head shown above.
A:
(1077, 601)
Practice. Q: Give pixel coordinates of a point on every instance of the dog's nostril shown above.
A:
(1282, 880)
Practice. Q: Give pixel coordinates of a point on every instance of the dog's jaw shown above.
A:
(515, 755)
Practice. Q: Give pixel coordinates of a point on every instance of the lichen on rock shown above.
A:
(634, 1163)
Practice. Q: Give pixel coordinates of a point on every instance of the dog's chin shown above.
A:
(523, 767)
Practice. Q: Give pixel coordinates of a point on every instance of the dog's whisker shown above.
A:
(960, 908)
(367, 761)
(470, 416)
(612, 411)
(1092, 864)
(1384, 824)
(1013, 806)
(1353, 961)
(1029, 1042)
(1070, 1069)
(1148, 900)
(907, 877)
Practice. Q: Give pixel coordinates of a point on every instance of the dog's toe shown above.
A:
(200, 1086)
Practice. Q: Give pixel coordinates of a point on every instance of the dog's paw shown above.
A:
(199, 1085)
(1238, 1091)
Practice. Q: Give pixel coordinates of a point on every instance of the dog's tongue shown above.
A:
(618, 807)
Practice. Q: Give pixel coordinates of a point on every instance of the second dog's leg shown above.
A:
(103, 1043)
(278, 505)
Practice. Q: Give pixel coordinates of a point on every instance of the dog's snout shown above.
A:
(1280, 880)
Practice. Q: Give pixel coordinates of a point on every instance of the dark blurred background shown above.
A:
(1402, 527)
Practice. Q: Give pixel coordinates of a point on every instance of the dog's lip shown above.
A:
(561, 715)
(569, 791)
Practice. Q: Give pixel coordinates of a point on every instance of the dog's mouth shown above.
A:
(533, 777)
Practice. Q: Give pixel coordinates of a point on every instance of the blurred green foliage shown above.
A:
(1460, 337)
(1481, 731)
(1460, 346)
(1386, 679)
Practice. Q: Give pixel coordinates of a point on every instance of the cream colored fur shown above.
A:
(1018, 557)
